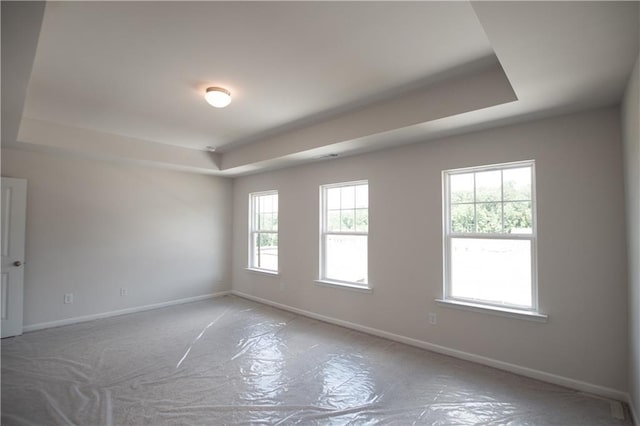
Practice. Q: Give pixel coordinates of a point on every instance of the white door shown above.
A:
(14, 206)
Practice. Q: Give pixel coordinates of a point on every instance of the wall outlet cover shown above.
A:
(433, 318)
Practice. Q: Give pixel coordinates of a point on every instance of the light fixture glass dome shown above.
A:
(218, 97)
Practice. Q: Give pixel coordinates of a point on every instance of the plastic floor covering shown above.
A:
(232, 361)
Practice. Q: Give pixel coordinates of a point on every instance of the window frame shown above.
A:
(254, 230)
(323, 279)
(448, 235)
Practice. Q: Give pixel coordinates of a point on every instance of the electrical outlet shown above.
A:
(123, 292)
(68, 298)
(433, 318)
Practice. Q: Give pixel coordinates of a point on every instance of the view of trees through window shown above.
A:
(348, 209)
(494, 201)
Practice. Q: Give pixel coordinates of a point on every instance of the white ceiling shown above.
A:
(140, 69)
(312, 77)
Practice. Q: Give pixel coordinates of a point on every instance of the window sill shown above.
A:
(345, 286)
(493, 310)
(262, 271)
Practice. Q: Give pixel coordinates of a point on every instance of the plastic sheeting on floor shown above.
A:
(231, 361)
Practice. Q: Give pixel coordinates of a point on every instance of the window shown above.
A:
(263, 231)
(344, 233)
(490, 236)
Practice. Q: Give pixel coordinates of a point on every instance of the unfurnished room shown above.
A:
(318, 212)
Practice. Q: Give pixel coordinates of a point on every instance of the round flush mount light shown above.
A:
(218, 97)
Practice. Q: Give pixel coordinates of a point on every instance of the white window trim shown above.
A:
(481, 305)
(344, 285)
(323, 280)
(262, 271)
(252, 230)
(494, 310)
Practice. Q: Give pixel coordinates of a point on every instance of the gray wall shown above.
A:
(582, 255)
(94, 227)
(631, 132)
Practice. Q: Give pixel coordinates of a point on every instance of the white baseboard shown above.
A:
(513, 368)
(74, 320)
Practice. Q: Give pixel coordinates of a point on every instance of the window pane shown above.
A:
(495, 271)
(489, 186)
(268, 222)
(265, 203)
(346, 258)
(518, 218)
(362, 220)
(348, 220)
(261, 222)
(461, 187)
(489, 217)
(362, 196)
(265, 251)
(333, 198)
(333, 221)
(347, 197)
(462, 218)
(258, 205)
(255, 219)
(517, 184)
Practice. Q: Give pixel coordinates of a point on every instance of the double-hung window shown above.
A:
(490, 236)
(263, 231)
(344, 231)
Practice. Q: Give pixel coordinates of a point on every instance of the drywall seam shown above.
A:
(501, 365)
(84, 318)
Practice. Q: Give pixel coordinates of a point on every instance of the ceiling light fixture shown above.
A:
(218, 97)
